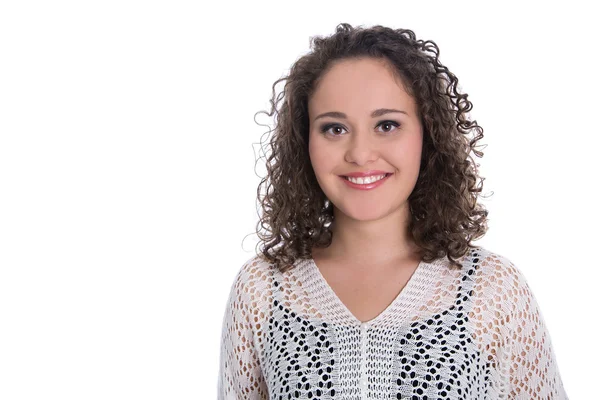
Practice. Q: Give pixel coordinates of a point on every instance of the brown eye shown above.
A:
(388, 125)
(334, 127)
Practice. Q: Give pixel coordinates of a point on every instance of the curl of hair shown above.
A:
(445, 215)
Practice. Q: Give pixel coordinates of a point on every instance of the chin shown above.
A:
(364, 212)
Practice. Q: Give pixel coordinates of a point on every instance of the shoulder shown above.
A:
(499, 279)
(494, 266)
(254, 268)
(253, 276)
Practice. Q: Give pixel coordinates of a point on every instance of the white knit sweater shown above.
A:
(470, 333)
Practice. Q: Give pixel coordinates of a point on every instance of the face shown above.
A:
(359, 138)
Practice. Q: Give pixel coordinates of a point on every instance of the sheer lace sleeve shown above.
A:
(240, 375)
(530, 360)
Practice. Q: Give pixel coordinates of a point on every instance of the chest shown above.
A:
(366, 294)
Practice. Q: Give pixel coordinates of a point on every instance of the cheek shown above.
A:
(417, 151)
(411, 152)
(405, 153)
(319, 158)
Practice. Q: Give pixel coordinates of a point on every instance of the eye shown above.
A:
(386, 124)
(326, 128)
(389, 124)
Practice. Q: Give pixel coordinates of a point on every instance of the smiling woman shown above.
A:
(367, 284)
(388, 140)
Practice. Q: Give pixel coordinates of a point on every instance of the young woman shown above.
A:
(367, 285)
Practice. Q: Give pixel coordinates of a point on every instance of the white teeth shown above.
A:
(368, 179)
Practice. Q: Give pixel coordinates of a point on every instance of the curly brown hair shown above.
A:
(445, 215)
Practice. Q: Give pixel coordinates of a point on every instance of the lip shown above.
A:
(367, 186)
(366, 173)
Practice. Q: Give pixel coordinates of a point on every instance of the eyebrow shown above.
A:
(377, 113)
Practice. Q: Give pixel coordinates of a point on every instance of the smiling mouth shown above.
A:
(366, 180)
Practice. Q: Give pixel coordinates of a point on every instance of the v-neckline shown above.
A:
(412, 286)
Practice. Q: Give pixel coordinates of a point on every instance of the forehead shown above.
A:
(359, 85)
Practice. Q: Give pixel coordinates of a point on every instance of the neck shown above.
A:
(375, 242)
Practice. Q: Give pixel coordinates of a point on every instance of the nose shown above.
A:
(362, 149)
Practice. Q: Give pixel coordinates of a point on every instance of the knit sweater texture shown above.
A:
(474, 332)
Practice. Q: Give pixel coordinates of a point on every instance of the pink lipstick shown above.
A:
(368, 185)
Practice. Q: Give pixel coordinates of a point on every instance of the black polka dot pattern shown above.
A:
(437, 357)
(474, 332)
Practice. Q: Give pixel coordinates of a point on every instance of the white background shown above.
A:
(127, 178)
